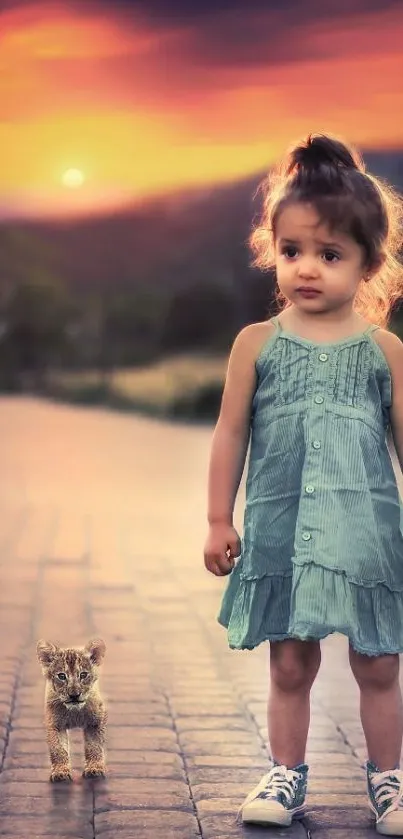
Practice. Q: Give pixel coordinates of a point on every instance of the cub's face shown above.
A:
(72, 672)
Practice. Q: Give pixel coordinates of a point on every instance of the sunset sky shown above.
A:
(105, 102)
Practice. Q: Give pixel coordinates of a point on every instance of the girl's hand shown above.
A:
(222, 546)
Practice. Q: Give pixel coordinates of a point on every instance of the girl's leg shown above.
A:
(294, 665)
(380, 706)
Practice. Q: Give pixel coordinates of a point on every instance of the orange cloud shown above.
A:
(32, 34)
(140, 109)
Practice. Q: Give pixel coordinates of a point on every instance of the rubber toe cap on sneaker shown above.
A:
(266, 812)
(392, 825)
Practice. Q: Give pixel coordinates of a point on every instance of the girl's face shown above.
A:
(318, 270)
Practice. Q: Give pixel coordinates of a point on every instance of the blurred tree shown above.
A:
(202, 317)
(130, 326)
(35, 311)
(36, 328)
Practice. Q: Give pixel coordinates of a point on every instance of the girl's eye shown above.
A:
(83, 675)
(62, 677)
(290, 251)
(331, 256)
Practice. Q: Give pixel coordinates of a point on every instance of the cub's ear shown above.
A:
(97, 649)
(46, 652)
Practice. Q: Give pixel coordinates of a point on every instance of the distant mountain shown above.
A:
(175, 241)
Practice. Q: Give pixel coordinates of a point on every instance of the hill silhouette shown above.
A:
(170, 242)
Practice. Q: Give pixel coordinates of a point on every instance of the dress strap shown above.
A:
(371, 328)
(276, 322)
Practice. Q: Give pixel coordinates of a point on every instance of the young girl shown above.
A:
(318, 388)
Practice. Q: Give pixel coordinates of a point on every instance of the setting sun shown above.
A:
(73, 178)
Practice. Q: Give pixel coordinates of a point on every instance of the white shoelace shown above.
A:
(388, 786)
(280, 779)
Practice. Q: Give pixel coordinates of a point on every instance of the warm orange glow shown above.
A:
(91, 89)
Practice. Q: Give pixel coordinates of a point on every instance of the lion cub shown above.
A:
(73, 700)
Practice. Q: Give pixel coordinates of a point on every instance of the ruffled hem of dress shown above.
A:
(310, 605)
(257, 576)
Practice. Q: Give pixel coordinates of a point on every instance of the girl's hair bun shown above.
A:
(322, 155)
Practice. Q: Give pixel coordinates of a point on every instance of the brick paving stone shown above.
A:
(352, 798)
(34, 835)
(296, 831)
(27, 761)
(115, 786)
(19, 746)
(204, 708)
(336, 760)
(328, 745)
(57, 827)
(31, 697)
(43, 806)
(22, 788)
(329, 771)
(192, 740)
(158, 739)
(226, 826)
(209, 777)
(25, 721)
(188, 689)
(135, 720)
(223, 790)
(320, 785)
(27, 740)
(146, 770)
(117, 705)
(20, 774)
(233, 749)
(345, 833)
(141, 798)
(126, 695)
(5, 699)
(169, 758)
(6, 684)
(324, 817)
(324, 734)
(225, 806)
(145, 823)
(211, 723)
(243, 761)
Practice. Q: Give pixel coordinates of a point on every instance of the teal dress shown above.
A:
(322, 547)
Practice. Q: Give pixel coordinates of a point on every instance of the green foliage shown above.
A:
(198, 317)
(202, 403)
(198, 403)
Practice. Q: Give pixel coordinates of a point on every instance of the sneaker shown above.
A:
(385, 791)
(278, 798)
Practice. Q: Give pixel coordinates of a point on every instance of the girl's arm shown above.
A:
(229, 447)
(231, 435)
(393, 349)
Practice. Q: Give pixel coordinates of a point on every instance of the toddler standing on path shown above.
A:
(316, 390)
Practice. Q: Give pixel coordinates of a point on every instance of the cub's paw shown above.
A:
(96, 770)
(60, 773)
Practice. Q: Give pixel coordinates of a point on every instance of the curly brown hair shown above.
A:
(331, 176)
